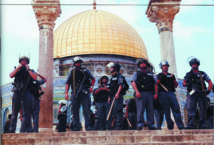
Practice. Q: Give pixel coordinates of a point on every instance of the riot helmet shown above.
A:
(77, 59)
(163, 62)
(63, 107)
(102, 77)
(24, 57)
(115, 66)
(194, 61)
(141, 60)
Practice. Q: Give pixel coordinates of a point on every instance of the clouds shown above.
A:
(186, 32)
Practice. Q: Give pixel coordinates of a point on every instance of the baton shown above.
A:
(129, 122)
(110, 109)
(164, 87)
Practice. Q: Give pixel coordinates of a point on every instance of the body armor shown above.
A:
(196, 80)
(113, 86)
(145, 81)
(102, 96)
(21, 79)
(167, 81)
(79, 74)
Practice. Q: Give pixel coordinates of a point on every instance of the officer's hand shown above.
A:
(109, 100)
(27, 67)
(66, 96)
(91, 90)
(137, 94)
(155, 96)
(105, 88)
(19, 66)
(207, 92)
(116, 96)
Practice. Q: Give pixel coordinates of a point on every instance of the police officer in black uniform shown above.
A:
(22, 96)
(75, 79)
(145, 88)
(166, 89)
(196, 93)
(116, 92)
(102, 93)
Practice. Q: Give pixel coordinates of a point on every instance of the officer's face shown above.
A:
(194, 66)
(111, 69)
(23, 62)
(165, 68)
(143, 65)
(105, 80)
(78, 64)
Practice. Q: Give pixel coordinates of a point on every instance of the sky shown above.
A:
(193, 31)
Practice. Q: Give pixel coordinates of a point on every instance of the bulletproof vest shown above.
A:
(145, 81)
(79, 75)
(196, 80)
(167, 81)
(21, 78)
(132, 106)
(103, 95)
(113, 86)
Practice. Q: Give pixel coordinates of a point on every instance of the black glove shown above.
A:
(207, 92)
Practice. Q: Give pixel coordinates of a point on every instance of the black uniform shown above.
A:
(195, 98)
(22, 96)
(117, 80)
(169, 101)
(102, 97)
(83, 98)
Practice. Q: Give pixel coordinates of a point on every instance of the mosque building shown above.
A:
(99, 37)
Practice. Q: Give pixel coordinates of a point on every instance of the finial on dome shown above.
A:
(94, 5)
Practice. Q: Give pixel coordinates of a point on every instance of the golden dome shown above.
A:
(97, 32)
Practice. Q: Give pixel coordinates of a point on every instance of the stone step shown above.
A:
(112, 137)
(109, 133)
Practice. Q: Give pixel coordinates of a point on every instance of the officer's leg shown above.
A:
(118, 108)
(210, 122)
(141, 105)
(16, 106)
(85, 99)
(165, 103)
(36, 109)
(75, 111)
(149, 110)
(202, 103)
(157, 119)
(28, 104)
(191, 108)
(102, 116)
(97, 123)
(176, 110)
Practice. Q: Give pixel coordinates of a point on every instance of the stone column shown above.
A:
(46, 12)
(162, 12)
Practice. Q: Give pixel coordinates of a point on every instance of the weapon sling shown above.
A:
(74, 81)
(202, 85)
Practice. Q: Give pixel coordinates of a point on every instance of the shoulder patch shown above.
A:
(120, 80)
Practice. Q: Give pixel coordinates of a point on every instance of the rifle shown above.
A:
(80, 86)
(195, 87)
